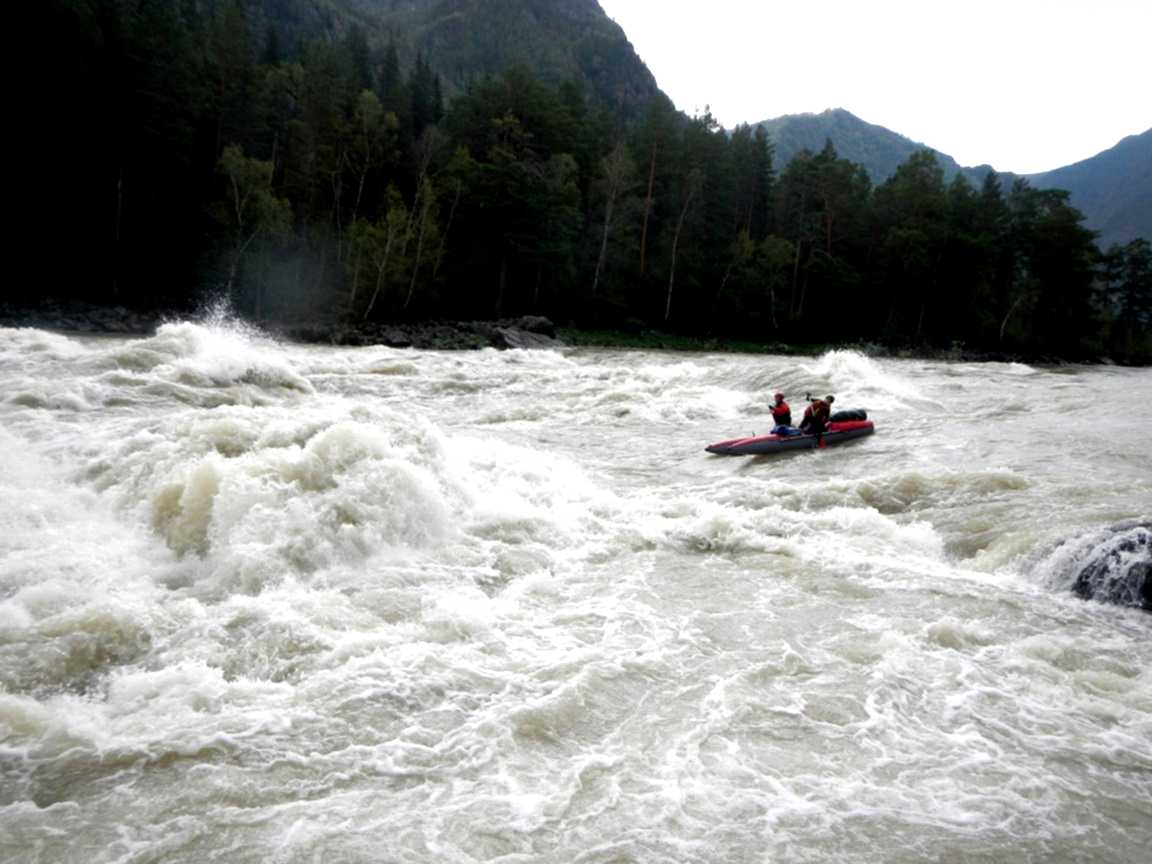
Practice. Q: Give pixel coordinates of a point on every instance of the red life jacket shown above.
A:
(782, 414)
(816, 415)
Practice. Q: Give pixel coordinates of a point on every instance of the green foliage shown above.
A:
(250, 208)
(1125, 294)
(378, 255)
(329, 167)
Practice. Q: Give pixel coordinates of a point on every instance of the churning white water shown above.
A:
(262, 602)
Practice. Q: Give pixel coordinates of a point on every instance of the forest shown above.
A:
(191, 155)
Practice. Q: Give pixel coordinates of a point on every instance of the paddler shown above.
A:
(816, 416)
(781, 413)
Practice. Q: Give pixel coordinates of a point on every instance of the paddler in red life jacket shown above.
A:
(816, 416)
(781, 413)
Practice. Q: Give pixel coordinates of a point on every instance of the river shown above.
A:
(264, 602)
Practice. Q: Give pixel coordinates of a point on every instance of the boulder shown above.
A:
(511, 337)
(394, 337)
(1112, 564)
(535, 324)
(1119, 570)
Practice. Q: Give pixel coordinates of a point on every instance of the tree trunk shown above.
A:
(419, 250)
(694, 182)
(412, 216)
(337, 180)
(727, 274)
(359, 196)
(355, 282)
(241, 248)
(1007, 315)
(380, 270)
(647, 211)
(617, 166)
(792, 313)
(425, 158)
(604, 240)
(447, 228)
(364, 166)
(672, 267)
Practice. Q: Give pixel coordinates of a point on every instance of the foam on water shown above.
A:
(203, 357)
(76, 591)
(273, 603)
(859, 380)
(260, 495)
(30, 347)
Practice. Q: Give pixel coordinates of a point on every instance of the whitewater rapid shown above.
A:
(264, 602)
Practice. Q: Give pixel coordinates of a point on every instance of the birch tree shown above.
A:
(251, 208)
(617, 167)
(378, 242)
(692, 188)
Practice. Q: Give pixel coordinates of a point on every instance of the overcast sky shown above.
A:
(1024, 86)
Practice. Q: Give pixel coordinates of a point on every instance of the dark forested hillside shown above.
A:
(348, 160)
(464, 41)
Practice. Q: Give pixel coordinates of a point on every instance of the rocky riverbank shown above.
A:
(530, 331)
(82, 318)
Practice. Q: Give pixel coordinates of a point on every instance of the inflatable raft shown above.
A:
(838, 432)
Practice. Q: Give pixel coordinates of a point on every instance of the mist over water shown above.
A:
(263, 602)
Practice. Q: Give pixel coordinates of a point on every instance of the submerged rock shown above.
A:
(1111, 565)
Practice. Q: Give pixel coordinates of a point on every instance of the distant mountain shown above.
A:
(466, 40)
(1112, 189)
(880, 151)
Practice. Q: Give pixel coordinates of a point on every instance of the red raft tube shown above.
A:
(838, 432)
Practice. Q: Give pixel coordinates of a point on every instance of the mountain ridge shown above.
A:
(878, 149)
(1113, 189)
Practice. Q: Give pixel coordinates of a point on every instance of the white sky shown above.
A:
(1024, 85)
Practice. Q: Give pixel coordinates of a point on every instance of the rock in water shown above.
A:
(1120, 572)
(1111, 565)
